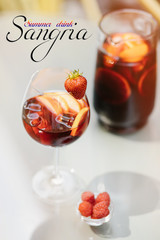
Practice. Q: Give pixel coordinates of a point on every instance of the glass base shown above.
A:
(52, 188)
(120, 130)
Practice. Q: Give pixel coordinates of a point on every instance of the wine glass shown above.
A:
(54, 118)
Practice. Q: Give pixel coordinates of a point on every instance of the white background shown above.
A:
(126, 166)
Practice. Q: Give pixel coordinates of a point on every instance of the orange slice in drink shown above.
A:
(57, 96)
(80, 118)
(134, 48)
(51, 104)
(147, 83)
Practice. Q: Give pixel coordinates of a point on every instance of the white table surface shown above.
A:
(128, 167)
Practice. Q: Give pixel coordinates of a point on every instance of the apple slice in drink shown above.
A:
(51, 104)
(82, 103)
(73, 104)
(59, 99)
(68, 102)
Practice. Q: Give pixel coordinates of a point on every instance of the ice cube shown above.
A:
(143, 27)
(33, 107)
(116, 39)
(65, 119)
(32, 115)
(33, 118)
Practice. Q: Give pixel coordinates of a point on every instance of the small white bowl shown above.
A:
(97, 222)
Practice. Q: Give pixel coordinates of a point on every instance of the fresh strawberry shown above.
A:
(104, 196)
(100, 210)
(76, 84)
(88, 196)
(85, 208)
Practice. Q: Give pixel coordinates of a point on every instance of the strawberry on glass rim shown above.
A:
(76, 84)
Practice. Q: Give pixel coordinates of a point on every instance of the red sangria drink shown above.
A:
(55, 118)
(55, 113)
(125, 78)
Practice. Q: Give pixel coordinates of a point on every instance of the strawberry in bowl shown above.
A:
(95, 209)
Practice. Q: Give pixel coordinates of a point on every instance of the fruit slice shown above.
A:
(130, 47)
(79, 120)
(113, 48)
(68, 102)
(135, 48)
(114, 45)
(111, 86)
(50, 104)
(135, 53)
(147, 83)
(128, 72)
(82, 103)
(59, 99)
(73, 104)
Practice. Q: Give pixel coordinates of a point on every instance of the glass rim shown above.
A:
(129, 10)
(57, 93)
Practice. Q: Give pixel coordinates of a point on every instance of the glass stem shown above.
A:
(57, 178)
(57, 162)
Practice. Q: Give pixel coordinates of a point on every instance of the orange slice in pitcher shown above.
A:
(147, 81)
(115, 45)
(113, 49)
(112, 86)
(134, 48)
(80, 118)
